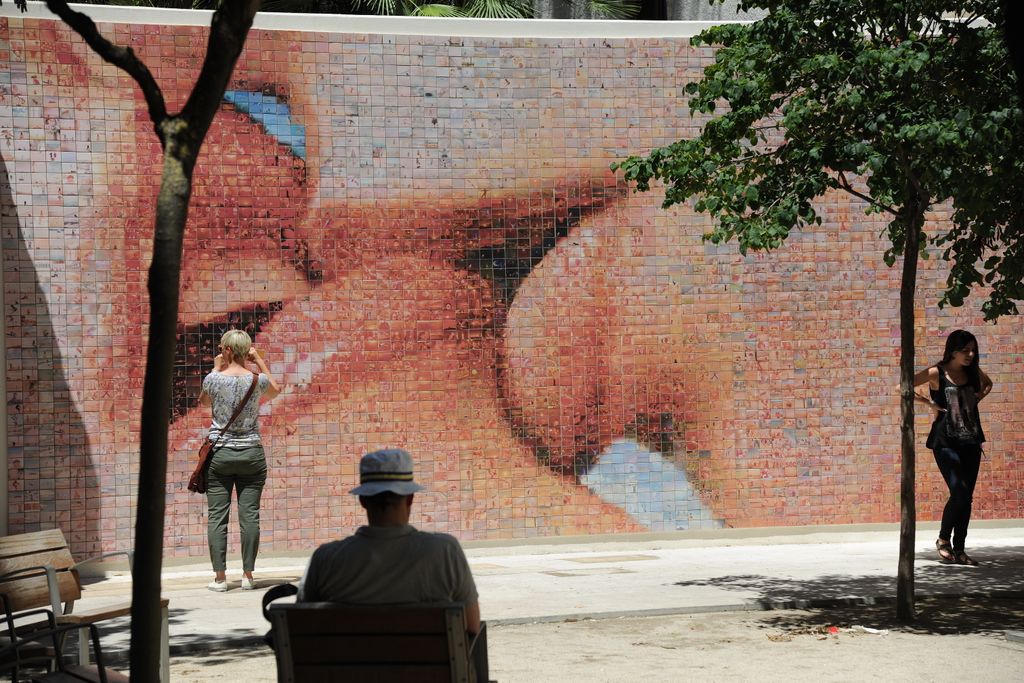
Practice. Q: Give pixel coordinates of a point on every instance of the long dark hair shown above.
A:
(958, 340)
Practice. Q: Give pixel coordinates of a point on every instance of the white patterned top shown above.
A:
(227, 391)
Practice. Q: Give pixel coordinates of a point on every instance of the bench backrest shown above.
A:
(322, 641)
(27, 588)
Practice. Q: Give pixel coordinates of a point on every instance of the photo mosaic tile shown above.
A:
(423, 237)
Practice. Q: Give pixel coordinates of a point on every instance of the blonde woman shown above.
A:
(238, 462)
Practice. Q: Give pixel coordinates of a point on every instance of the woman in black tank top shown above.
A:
(955, 386)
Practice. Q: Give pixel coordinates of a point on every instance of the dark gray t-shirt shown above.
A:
(389, 566)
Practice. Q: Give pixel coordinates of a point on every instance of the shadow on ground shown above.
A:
(935, 615)
(211, 655)
(1000, 575)
(230, 642)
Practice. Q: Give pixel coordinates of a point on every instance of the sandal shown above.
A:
(945, 551)
(964, 558)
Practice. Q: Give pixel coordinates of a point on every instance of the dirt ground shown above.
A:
(953, 640)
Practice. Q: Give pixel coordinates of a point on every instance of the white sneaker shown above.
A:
(248, 584)
(218, 586)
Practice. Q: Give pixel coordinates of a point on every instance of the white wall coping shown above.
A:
(422, 26)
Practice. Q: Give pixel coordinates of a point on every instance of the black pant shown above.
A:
(959, 467)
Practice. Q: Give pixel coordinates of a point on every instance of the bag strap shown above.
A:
(239, 407)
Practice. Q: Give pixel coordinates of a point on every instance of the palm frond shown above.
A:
(614, 9)
(432, 10)
(383, 7)
(499, 9)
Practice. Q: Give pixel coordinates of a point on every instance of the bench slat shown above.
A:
(60, 559)
(365, 620)
(374, 674)
(32, 592)
(32, 542)
(371, 649)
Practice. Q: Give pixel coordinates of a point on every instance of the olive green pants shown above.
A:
(245, 470)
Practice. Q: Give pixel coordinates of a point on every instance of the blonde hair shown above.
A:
(238, 342)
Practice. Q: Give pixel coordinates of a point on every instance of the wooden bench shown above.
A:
(13, 661)
(37, 570)
(322, 641)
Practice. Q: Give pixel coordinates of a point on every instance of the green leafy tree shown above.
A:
(906, 104)
(181, 136)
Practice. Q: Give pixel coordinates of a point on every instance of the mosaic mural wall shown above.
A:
(424, 239)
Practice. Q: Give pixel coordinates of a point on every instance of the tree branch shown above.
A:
(754, 157)
(121, 57)
(228, 31)
(844, 184)
(970, 19)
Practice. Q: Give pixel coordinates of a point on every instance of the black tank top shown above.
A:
(960, 423)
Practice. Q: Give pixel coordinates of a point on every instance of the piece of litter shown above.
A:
(1015, 636)
(868, 629)
(833, 629)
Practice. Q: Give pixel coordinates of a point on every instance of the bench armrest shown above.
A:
(53, 634)
(282, 590)
(130, 554)
(11, 630)
(97, 614)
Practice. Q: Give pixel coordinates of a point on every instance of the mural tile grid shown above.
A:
(424, 238)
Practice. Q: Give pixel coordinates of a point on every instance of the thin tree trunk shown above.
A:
(164, 281)
(653, 10)
(1013, 25)
(182, 136)
(908, 513)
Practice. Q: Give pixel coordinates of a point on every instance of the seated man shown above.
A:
(389, 562)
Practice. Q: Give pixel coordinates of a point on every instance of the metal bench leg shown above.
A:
(165, 647)
(83, 646)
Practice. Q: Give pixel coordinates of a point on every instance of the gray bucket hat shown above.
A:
(389, 469)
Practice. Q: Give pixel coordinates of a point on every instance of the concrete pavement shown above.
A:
(563, 579)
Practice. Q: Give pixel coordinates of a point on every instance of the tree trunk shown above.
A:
(653, 10)
(182, 138)
(1013, 24)
(908, 513)
(163, 285)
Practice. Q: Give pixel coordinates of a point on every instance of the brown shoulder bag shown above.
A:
(197, 482)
